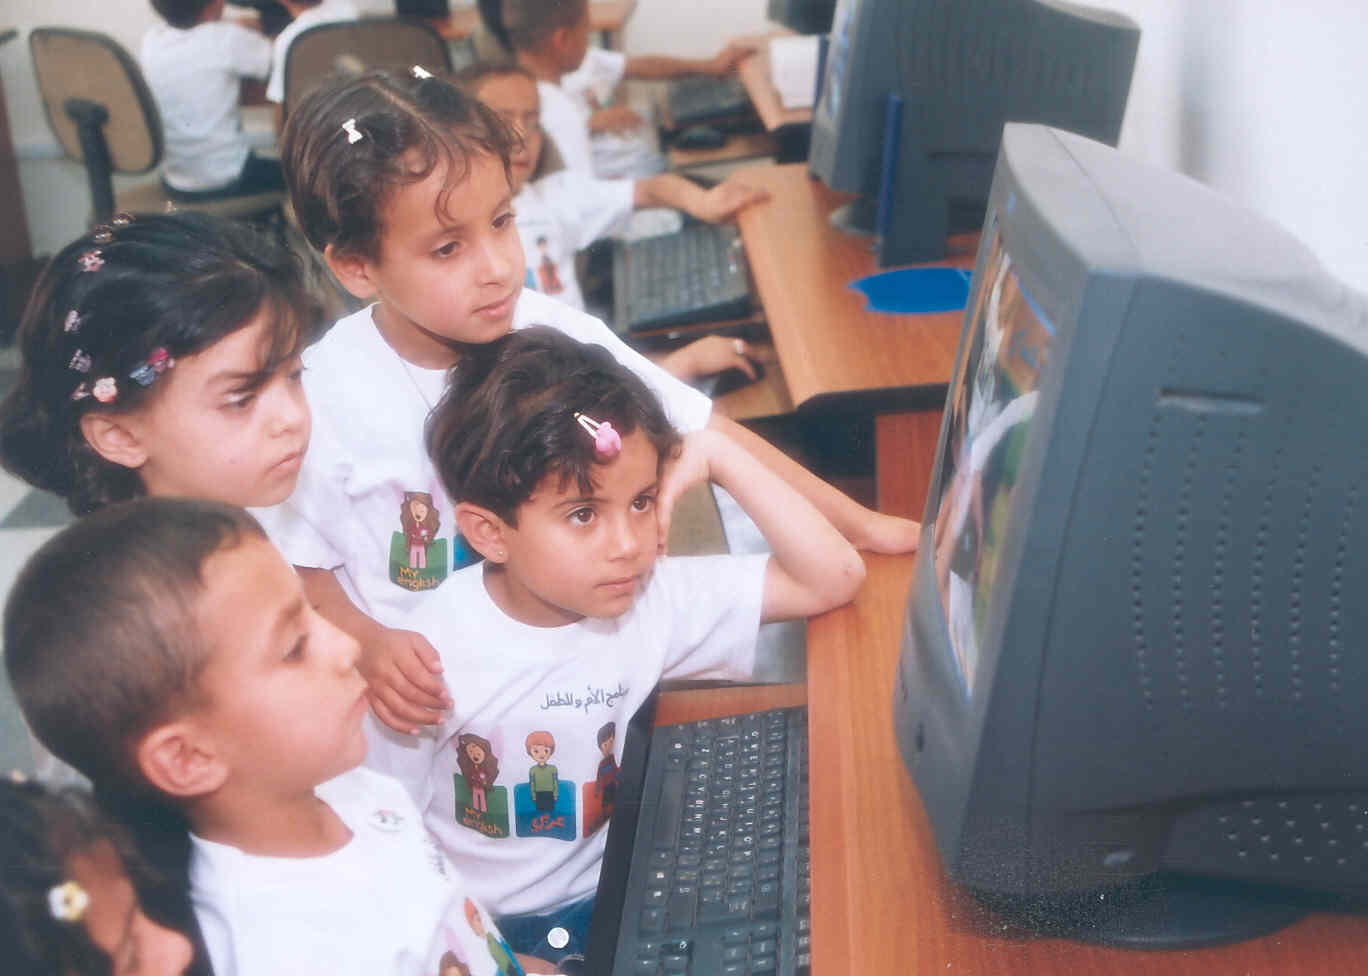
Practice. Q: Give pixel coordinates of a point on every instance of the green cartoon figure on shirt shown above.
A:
(542, 778)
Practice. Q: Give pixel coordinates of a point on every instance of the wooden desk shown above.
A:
(831, 347)
(605, 16)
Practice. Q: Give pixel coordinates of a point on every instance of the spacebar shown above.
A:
(671, 809)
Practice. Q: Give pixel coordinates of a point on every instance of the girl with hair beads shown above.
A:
(402, 183)
(160, 355)
(68, 906)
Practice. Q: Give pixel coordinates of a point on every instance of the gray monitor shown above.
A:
(1133, 674)
(803, 16)
(961, 68)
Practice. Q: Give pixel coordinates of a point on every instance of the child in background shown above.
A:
(161, 356)
(306, 14)
(194, 64)
(402, 183)
(550, 38)
(568, 210)
(560, 456)
(69, 904)
(164, 648)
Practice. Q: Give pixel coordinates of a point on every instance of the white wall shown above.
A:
(1261, 99)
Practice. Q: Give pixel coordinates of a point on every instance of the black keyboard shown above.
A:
(704, 100)
(695, 275)
(719, 882)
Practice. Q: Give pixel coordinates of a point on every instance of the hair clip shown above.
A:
(18, 777)
(103, 234)
(105, 389)
(80, 361)
(91, 261)
(68, 901)
(81, 392)
(72, 322)
(121, 219)
(158, 362)
(354, 135)
(607, 441)
(421, 73)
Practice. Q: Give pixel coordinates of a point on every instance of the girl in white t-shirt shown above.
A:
(402, 183)
(563, 460)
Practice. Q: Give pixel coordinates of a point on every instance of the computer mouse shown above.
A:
(700, 137)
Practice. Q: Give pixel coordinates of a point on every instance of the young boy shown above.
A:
(560, 456)
(550, 38)
(165, 649)
(194, 64)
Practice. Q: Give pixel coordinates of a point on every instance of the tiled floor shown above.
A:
(27, 519)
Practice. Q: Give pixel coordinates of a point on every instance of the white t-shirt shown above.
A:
(563, 213)
(327, 12)
(195, 76)
(367, 476)
(695, 617)
(386, 902)
(566, 121)
(596, 78)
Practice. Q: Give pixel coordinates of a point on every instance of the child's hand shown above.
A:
(692, 465)
(709, 356)
(726, 60)
(618, 118)
(404, 673)
(727, 199)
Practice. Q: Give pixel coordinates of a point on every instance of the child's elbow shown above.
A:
(847, 575)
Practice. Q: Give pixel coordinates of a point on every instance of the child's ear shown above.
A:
(352, 271)
(114, 438)
(483, 530)
(175, 761)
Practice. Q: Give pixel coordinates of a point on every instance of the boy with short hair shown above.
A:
(165, 649)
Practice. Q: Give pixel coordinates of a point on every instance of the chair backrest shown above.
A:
(357, 45)
(74, 64)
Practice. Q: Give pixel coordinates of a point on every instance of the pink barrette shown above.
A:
(105, 389)
(81, 392)
(80, 361)
(158, 362)
(72, 323)
(121, 219)
(104, 234)
(607, 441)
(91, 261)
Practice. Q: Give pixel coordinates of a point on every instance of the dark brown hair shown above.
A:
(507, 421)
(523, 25)
(407, 126)
(183, 14)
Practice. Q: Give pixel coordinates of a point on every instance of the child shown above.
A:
(560, 456)
(70, 907)
(570, 209)
(402, 183)
(164, 648)
(194, 64)
(161, 356)
(304, 14)
(550, 38)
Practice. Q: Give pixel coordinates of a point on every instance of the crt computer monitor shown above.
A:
(803, 16)
(961, 69)
(1135, 659)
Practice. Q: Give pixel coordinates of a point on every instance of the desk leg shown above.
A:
(905, 454)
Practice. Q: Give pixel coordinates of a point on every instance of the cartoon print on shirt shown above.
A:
(419, 520)
(417, 559)
(480, 804)
(498, 948)
(545, 804)
(547, 275)
(600, 794)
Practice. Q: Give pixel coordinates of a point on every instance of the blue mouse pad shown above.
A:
(915, 291)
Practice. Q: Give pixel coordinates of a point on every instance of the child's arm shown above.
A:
(401, 668)
(706, 357)
(866, 529)
(653, 67)
(715, 205)
(813, 568)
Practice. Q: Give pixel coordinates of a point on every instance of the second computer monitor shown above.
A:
(914, 97)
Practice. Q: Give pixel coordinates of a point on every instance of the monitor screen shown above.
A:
(1007, 347)
(1130, 689)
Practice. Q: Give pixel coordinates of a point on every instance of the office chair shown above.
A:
(104, 116)
(353, 46)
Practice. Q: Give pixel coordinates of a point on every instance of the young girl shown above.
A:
(402, 183)
(160, 355)
(560, 456)
(66, 885)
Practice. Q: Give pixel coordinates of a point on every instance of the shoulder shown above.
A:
(536, 308)
(351, 343)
